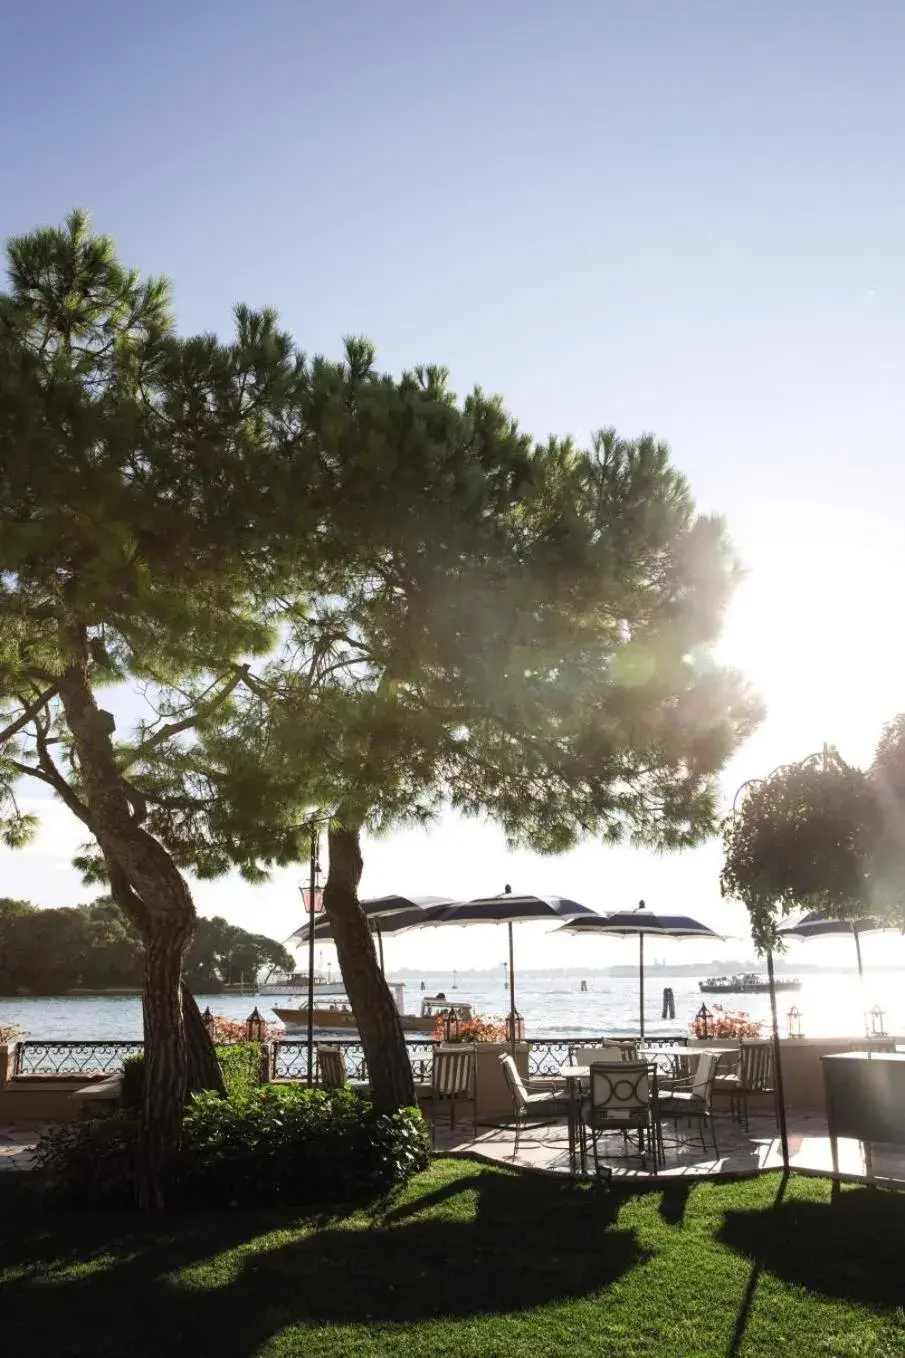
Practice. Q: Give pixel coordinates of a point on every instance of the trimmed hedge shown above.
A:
(241, 1063)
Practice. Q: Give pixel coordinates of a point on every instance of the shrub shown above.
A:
(285, 1144)
(241, 1063)
(277, 1144)
(91, 1163)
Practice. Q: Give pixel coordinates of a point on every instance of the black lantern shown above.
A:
(255, 1027)
(451, 1026)
(207, 1019)
(794, 1020)
(515, 1027)
(702, 1022)
(877, 1024)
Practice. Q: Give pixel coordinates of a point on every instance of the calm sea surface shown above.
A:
(551, 1003)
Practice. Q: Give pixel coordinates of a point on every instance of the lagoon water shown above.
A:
(552, 1003)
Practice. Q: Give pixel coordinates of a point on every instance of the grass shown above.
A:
(468, 1261)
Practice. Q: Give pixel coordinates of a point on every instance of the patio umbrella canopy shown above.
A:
(510, 909)
(385, 915)
(640, 922)
(820, 925)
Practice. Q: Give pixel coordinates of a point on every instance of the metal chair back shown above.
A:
(452, 1075)
(702, 1076)
(515, 1082)
(756, 1067)
(331, 1068)
(621, 1090)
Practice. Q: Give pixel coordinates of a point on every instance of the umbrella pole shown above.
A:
(311, 903)
(512, 1033)
(380, 948)
(777, 1063)
(641, 982)
(858, 951)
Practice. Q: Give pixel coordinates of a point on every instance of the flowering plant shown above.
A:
(226, 1031)
(726, 1023)
(475, 1029)
(9, 1032)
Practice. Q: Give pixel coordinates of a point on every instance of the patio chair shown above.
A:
(543, 1108)
(692, 1098)
(452, 1082)
(331, 1068)
(622, 1099)
(753, 1075)
(331, 1071)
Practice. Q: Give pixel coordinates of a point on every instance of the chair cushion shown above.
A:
(683, 1101)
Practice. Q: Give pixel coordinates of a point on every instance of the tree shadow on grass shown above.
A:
(852, 1249)
(486, 1244)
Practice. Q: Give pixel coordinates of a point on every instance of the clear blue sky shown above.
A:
(681, 218)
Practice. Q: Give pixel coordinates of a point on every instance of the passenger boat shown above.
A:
(746, 983)
(337, 1016)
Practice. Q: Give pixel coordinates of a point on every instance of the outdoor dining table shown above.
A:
(574, 1075)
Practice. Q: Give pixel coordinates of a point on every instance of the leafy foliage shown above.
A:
(823, 837)
(277, 1144)
(93, 946)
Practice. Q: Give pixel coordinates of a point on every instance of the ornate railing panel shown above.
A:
(548, 1055)
(290, 1058)
(72, 1058)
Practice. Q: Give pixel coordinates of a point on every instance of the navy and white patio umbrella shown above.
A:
(820, 925)
(511, 909)
(385, 915)
(641, 922)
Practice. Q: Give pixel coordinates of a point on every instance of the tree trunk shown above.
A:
(202, 1067)
(165, 1078)
(389, 1069)
(162, 902)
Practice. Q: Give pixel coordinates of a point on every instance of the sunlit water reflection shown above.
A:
(831, 1003)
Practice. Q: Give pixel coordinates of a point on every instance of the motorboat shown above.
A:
(746, 983)
(338, 1015)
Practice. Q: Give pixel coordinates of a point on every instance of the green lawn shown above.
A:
(467, 1261)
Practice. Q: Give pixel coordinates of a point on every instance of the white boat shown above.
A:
(337, 1016)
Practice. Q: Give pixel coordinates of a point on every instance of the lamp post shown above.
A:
(823, 759)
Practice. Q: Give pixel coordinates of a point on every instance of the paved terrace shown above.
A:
(741, 1153)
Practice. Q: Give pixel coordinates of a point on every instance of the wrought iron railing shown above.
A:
(72, 1058)
(289, 1056)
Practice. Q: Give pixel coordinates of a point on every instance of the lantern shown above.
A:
(255, 1027)
(702, 1022)
(877, 1025)
(207, 1019)
(451, 1026)
(794, 1019)
(515, 1027)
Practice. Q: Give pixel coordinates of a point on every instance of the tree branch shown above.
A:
(31, 711)
(175, 728)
